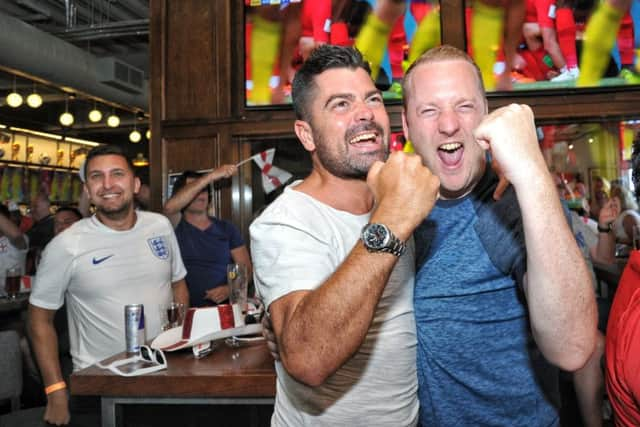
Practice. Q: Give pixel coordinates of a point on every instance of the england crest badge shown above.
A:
(159, 247)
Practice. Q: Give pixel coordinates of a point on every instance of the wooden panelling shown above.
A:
(191, 59)
(194, 154)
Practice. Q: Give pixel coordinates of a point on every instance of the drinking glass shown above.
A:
(237, 280)
(12, 281)
(172, 315)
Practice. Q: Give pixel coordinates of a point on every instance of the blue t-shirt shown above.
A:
(205, 254)
(477, 363)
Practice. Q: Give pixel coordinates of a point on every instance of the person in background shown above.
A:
(207, 244)
(601, 188)
(502, 291)
(596, 246)
(42, 230)
(629, 216)
(64, 218)
(14, 245)
(143, 198)
(338, 294)
(118, 256)
(623, 334)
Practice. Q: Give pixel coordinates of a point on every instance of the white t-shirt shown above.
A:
(618, 225)
(10, 256)
(296, 244)
(98, 271)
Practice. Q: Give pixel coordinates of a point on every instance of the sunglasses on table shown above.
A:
(147, 355)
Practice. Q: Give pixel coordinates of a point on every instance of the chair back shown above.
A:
(10, 368)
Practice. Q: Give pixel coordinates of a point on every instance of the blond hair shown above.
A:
(440, 54)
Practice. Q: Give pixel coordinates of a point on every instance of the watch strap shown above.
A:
(606, 229)
(395, 247)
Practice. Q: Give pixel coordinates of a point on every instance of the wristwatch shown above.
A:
(607, 229)
(378, 238)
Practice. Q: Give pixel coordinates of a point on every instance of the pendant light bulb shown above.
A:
(66, 119)
(135, 136)
(95, 115)
(14, 99)
(34, 100)
(113, 121)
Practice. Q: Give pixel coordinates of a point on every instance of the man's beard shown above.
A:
(117, 213)
(343, 165)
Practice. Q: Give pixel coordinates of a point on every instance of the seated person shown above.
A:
(629, 216)
(207, 243)
(13, 244)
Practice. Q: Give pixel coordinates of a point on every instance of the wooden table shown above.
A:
(20, 302)
(227, 376)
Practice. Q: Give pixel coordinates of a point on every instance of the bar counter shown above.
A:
(227, 376)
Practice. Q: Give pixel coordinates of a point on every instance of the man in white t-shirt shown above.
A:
(13, 245)
(117, 257)
(330, 261)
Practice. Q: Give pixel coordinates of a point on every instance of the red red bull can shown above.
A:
(225, 311)
(134, 330)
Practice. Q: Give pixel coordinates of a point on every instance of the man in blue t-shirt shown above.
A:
(207, 244)
(502, 292)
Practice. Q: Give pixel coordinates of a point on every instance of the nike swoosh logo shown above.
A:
(97, 261)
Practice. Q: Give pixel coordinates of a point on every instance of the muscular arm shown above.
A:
(558, 286)
(13, 233)
(45, 345)
(319, 330)
(180, 292)
(180, 200)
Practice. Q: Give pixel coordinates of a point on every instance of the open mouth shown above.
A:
(365, 137)
(451, 153)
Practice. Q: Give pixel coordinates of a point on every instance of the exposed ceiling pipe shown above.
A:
(24, 47)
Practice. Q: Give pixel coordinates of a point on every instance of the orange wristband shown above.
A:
(55, 387)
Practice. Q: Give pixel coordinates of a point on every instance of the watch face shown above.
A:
(375, 236)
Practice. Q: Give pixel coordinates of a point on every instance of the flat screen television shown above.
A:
(279, 35)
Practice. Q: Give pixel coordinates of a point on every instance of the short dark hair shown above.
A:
(4, 210)
(182, 181)
(105, 150)
(71, 209)
(322, 58)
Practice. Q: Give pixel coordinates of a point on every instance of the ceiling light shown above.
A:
(14, 99)
(66, 118)
(113, 120)
(140, 160)
(95, 115)
(148, 134)
(135, 136)
(34, 100)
